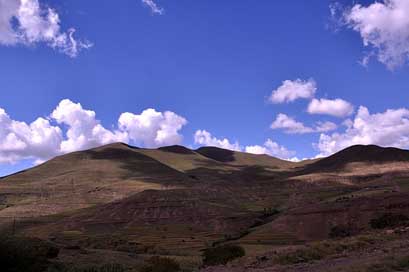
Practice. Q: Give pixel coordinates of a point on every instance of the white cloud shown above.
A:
(325, 126)
(384, 27)
(19, 140)
(203, 137)
(336, 107)
(152, 128)
(292, 126)
(270, 148)
(42, 140)
(84, 131)
(26, 22)
(153, 6)
(390, 128)
(292, 90)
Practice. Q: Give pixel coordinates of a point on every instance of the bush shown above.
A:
(25, 254)
(222, 255)
(389, 221)
(160, 264)
(340, 232)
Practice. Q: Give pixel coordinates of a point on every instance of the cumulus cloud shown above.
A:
(292, 126)
(325, 126)
(152, 128)
(270, 148)
(84, 130)
(26, 22)
(203, 137)
(153, 6)
(384, 28)
(291, 90)
(337, 107)
(19, 140)
(390, 128)
(70, 127)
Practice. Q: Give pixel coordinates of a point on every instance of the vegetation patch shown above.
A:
(160, 264)
(300, 256)
(389, 221)
(222, 255)
(25, 254)
(340, 231)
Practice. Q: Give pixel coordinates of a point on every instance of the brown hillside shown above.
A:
(370, 154)
(118, 200)
(240, 158)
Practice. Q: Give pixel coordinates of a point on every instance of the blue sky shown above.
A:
(214, 64)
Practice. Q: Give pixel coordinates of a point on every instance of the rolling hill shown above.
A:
(174, 201)
(370, 154)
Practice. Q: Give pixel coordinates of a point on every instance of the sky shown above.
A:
(292, 79)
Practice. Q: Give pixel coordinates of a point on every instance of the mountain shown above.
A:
(174, 201)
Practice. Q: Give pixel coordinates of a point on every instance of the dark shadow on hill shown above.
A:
(234, 174)
(138, 165)
(178, 149)
(217, 154)
(130, 146)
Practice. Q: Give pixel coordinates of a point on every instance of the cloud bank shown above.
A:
(389, 128)
(271, 148)
(291, 126)
(205, 138)
(70, 127)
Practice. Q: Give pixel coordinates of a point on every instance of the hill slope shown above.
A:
(370, 154)
(104, 174)
(124, 200)
(240, 158)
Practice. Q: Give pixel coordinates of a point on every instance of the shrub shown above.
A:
(222, 254)
(25, 254)
(160, 264)
(340, 232)
(388, 221)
